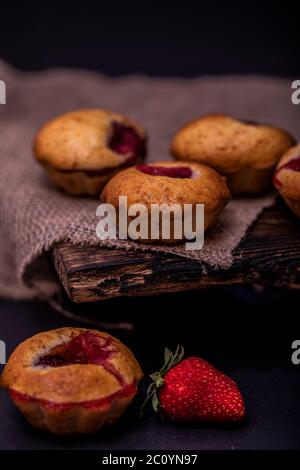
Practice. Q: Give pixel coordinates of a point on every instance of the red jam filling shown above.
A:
(126, 392)
(293, 165)
(170, 171)
(126, 141)
(86, 348)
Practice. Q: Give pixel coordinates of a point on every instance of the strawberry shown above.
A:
(193, 390)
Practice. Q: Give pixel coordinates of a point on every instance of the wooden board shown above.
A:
(269, 255)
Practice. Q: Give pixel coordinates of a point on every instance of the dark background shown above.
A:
(157, 38)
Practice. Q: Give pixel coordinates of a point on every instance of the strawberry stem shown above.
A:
(171, 360)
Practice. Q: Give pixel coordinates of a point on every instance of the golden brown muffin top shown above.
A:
(229, 145)
(205, 186)
(79, 140)
(43, 367)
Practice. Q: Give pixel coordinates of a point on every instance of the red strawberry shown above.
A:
(193, 390)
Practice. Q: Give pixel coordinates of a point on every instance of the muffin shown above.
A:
(245, 152)
(82, 149)
(71, 380)
(170, 183)
(287, 178)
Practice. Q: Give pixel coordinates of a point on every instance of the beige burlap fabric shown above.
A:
(35, 215)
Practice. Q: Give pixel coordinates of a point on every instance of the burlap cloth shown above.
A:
(35, 215)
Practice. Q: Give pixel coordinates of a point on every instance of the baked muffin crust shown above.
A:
(60, 378)
(204, 186)
(235, 148)
(86, 146)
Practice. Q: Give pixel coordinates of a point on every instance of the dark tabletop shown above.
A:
(247, 335)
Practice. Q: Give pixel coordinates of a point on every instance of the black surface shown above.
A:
(250, 341)
(157, 38)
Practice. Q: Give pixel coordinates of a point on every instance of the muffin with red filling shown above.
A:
(170, 183)
(71, 380)
(245, 152)
(287, 178)
(82, 149)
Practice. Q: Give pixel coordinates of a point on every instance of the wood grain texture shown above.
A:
(268, 255)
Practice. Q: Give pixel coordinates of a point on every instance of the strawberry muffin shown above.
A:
(245, 152)
(287, 178)
(71, 380)
(82, 149)
(170, 183)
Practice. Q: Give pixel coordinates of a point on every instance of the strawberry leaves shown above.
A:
(171, 359)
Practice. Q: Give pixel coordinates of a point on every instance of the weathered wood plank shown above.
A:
(269, 255)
